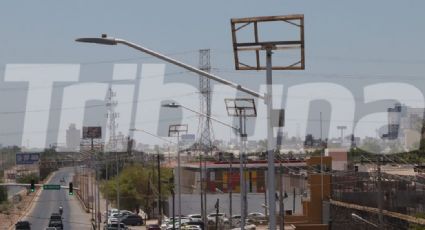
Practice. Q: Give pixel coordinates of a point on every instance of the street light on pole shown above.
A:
(257, 46)
(242, 108)
(175, 130)
(175, 105)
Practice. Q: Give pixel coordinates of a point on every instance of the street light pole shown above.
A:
(105, 40)
(270, 143)
(172, 130)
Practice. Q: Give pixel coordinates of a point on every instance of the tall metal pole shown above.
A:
(118, 188)
(281, 208)
(230, 190)
(106, 200)
(174, 208)
(98, 199)
(178, 179)
(159, 189)
(201, 186)
(270, 143)
(205, 192)
(241, 171)
(380, 201)
(321, 159)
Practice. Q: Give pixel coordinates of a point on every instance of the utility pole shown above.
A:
(118, 186)
(230, 187)
(380, 196)
(265, 196)
(217, 210)
(201, 186)
(281, 208)
(159, 189)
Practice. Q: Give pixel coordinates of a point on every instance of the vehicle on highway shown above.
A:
(115, 227)
(50, 228)
(132, 219)
(23, 225)
(56, 221)
(153, 227)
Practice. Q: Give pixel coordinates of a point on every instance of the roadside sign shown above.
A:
(27, 158)
(51, 186)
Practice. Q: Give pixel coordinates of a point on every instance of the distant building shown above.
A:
(311, 142)
(73, 138)
(404, 123)
(339, 158)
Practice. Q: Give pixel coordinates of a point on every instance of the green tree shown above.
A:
(138, 187)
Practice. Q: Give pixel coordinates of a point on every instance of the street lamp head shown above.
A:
(104, 40)
(171, 105)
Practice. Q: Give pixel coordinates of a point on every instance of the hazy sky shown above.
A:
(349, 44)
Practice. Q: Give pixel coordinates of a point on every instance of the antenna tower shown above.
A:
(205, 132)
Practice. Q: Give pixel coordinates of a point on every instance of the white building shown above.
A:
(73, 138)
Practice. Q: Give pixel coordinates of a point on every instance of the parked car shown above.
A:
(199, 224)
(132, 219)
(23, 225)
(153, 227)
(190, 227)
(115, 227)
(195, 217)
(221, 218)
(113, 219)
(257, 217)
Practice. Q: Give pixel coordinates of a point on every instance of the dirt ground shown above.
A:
(17, 210)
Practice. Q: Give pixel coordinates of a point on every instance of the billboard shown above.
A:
(27, 158)
(92, 132)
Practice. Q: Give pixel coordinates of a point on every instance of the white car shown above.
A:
(257, 217)
(191, 227)
(221, 217)
(113, 219)
(195, 217)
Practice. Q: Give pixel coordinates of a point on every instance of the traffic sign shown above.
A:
(51, 186)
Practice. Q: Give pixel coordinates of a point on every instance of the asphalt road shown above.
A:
(49, 201)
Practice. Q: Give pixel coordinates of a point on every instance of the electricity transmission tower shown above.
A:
(111, 115)
(112, 125)
(205, 132)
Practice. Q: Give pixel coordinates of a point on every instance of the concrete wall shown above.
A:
(191, 203)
